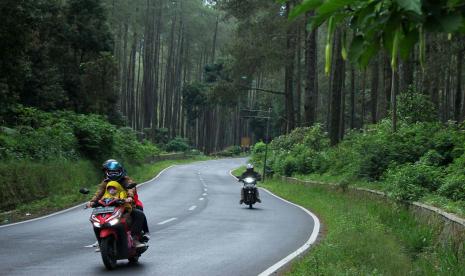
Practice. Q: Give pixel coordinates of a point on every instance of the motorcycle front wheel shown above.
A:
(108, 251)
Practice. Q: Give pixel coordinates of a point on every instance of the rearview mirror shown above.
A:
(84, 191)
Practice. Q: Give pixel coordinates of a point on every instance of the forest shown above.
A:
(208, 73)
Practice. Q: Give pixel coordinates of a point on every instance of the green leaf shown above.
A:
(356, 49)
(331, 6)
(306, 5)
(395, 48)
(369, 52)
(410, 5)
(451, 22)
(406, 43)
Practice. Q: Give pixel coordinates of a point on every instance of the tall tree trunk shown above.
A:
(352, 97)
(387, 74)
(406, 73)
(298, 76)
(214, 40)
(336, 88)
(394, 83)
(458, 90)
(374, 90)
(311, 83)
(289, 74)
(363, 112)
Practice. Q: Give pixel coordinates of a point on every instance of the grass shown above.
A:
(367, 237)
(456, 207)
(66, 187)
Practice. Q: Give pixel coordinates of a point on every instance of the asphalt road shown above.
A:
(196, 223)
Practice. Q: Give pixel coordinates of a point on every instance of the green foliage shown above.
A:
(258, 153)
(394, 25)
(415, 107)
(454, 187)
(25, 181)
(412, 181)
(420, 159)
(177, 144)
(230, 151)
(194, 97)
(40, 135)
(95, 136)
(55, 55)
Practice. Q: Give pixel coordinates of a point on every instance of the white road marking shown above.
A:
(91, 245)
(201, 198)
(192, 208)
(166, 221)
(311, 240)
(204, 194)
(205, 189)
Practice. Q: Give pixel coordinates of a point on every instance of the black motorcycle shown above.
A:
(250, 191)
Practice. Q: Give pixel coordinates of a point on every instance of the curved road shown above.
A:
(196, 223)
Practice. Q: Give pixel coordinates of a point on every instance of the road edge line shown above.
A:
(312, 239)
(79, 205)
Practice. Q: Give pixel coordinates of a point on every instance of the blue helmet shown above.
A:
(113, 170)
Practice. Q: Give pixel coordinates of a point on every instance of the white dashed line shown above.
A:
(192, 208)
(201, 198)
(166, 221)
(205, 189)
(204, 194)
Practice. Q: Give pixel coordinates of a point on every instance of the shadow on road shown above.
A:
(124, 267)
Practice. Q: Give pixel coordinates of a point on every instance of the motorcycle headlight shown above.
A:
(249, 180)
(113, 221)
(96, 224)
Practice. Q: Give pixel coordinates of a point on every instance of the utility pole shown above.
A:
(267, 138)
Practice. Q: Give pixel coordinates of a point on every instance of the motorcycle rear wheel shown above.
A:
(108, 252)
(133, 260)
(250, 206)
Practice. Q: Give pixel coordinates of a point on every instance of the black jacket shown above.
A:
(253, 174)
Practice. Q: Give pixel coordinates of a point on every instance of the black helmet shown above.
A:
(105, 164)
(113, 170)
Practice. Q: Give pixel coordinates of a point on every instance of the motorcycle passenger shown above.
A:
(115, 172)
(250, 173)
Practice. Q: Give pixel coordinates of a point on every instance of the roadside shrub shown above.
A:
(230, 151)
(414, 106)
(177, 144)
(127, 147)
(412, 181)
(94, 135)
(258, 154)
(289, 166)
(453, 187)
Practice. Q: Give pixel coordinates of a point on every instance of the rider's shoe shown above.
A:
(145, 237)
(138, 244)
(97, 249)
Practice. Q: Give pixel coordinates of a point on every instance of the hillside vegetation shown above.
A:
(423, 160)
(52, 153)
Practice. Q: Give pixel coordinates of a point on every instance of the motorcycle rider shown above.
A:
(249, 172)
(114, 171)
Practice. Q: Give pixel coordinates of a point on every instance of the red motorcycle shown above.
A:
(115, 237)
